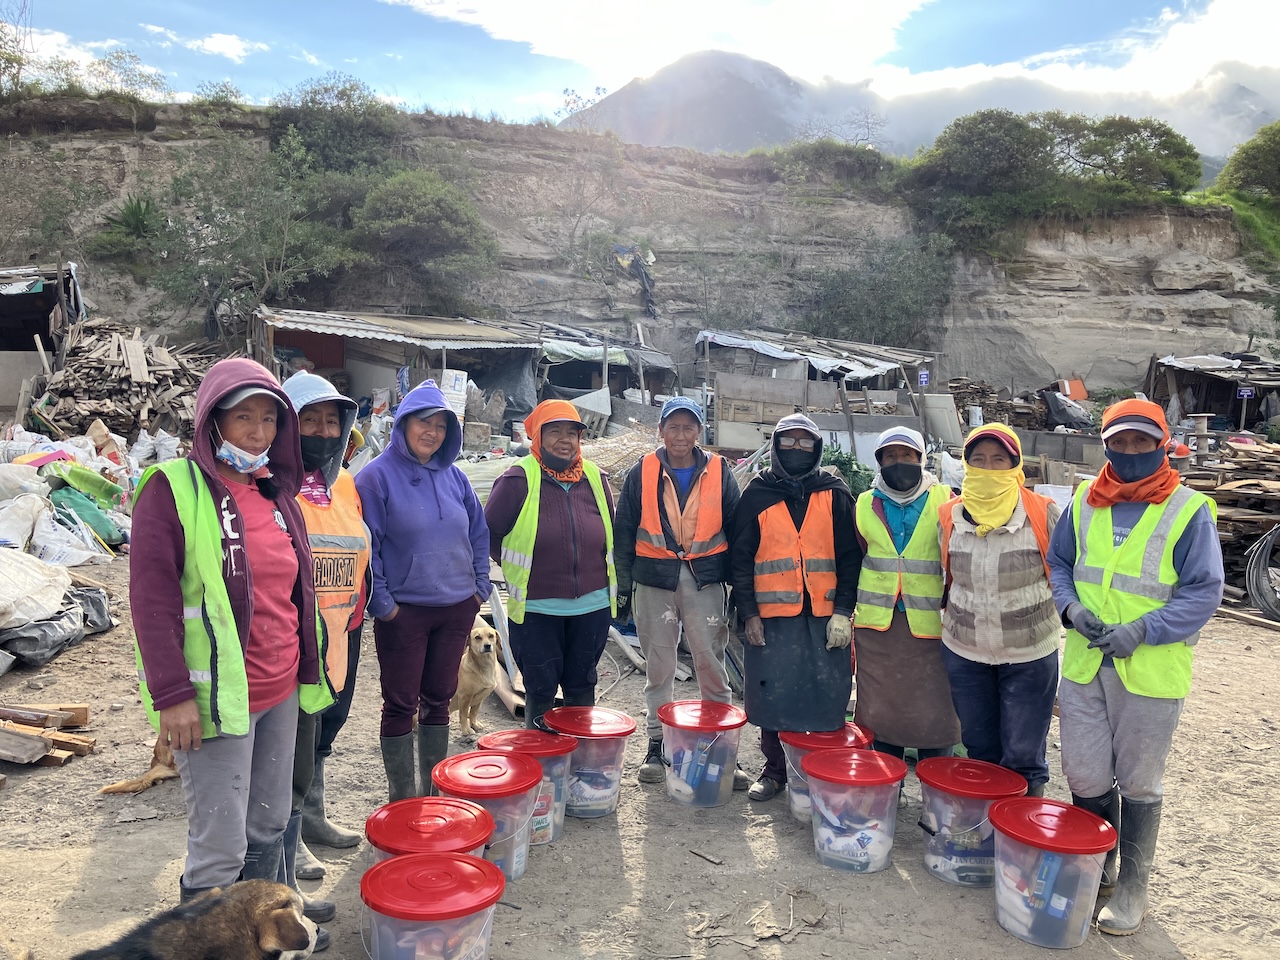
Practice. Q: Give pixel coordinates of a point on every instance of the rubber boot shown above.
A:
(433, 746)
(316, 826)
(397, 758)
(187, 894)
(1107, 807)
(263, 861)
(308, 867)
(318, 911)
(1035, 790)
(587, 699)
(1139, 828)
(534, 708)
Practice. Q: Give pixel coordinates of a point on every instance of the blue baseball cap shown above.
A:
(681, 403)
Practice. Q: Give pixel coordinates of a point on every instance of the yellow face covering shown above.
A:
(991, 496)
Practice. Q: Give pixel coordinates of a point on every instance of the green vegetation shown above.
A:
(856, 475)
(1255, 164)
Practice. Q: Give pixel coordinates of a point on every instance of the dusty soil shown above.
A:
(80, 869)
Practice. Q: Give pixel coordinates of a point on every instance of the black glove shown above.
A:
(1119, 642)
(624, 609)
(1085, 621)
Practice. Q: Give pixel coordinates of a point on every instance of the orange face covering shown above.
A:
(549, 411)
(1109, 489)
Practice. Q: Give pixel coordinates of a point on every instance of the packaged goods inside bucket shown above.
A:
(956, 794)
(552, 751)
(700, 745)
(796, 745)
(506, 784)
(854, 794)
(595, 767)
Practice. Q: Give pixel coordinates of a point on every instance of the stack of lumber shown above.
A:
(1027, 413)
(616, 455)
(46, 734)
(1244, 480)
(112, 373)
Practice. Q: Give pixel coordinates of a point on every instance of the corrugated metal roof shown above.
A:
(853, 359)
(432, 333)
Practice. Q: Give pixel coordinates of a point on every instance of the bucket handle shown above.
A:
(950, 833)
(520, 829)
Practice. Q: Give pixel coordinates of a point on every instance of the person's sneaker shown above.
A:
(654, 768)
(765, 788)
(741, 781)
(323, 940)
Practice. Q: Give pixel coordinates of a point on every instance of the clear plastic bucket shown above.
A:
(428, 825)
(595, 767)
(552, 750)
(700, 741)
(956, 792)
(1049, 858)
(505, 784)
(796, 745)
(855, 807)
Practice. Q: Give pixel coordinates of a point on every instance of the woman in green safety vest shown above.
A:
(229, 640)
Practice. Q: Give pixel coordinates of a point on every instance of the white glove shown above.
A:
(839, 632)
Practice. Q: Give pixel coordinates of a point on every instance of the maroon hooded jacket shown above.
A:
(158, 545)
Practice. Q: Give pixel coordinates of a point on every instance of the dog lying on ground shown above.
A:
(477, 675)
(252, 920)
(162, 768)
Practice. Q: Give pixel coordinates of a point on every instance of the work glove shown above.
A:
(1120, 641)
(839, 632)
(1085, 621)
(755, 631)
(624, 610)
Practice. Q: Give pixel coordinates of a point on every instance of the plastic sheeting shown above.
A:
(859, 367)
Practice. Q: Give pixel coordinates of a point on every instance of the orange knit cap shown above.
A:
(550, 411)
(1140, 415)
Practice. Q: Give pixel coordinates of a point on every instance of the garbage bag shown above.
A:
(96, 607)
(18, 520)
(19, 478)
(38, 642)
(29, 588)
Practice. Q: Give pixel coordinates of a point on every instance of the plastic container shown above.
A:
(431, 906)
(595, 767)
(505, 784)
(552, 751)
(428, 825)
(1049, 858)
(959, 843)
(855, 806)
(700, 741)
(796, 745)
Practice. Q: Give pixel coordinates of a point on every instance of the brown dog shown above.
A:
(162, 768)
(252, 920)
(477, 675)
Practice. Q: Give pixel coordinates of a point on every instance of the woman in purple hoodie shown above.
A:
(430, 563)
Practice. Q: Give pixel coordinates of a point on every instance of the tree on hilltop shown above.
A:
(1255, 164)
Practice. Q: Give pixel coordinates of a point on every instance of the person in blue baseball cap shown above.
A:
(672, 556)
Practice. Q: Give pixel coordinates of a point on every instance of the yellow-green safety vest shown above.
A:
(915, 575)
(1122, 583)
(517, 546)
(211, 641)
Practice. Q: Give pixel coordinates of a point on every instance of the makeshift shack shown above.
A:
(1237, 390)
(37, 306)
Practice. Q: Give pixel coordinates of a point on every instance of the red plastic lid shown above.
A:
(431, 886)
(486, 774)
(532, 743)
(429, 825)
(970, 778)
(853, 767)
(850, 735)
(589, 722)
(1052, 825)
(704, 715)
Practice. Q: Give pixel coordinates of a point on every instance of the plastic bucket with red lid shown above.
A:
(552, 751)
(855, 806)
(505, 784)
(431, 906)
(959, 843)
(700, 743)
(797, 744)
(1049, 857)
(428, 825)
(595, 767)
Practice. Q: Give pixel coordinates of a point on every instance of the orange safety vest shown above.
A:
(340, 552)
(708, 535)
(788, 563)
(1037, 510)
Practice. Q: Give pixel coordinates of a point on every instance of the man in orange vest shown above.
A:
(795, 560)
(672, 557)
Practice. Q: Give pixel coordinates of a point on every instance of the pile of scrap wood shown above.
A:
(1026, 412)
(46, 734)
(112, 373)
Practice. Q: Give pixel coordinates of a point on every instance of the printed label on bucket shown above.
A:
(543, 822)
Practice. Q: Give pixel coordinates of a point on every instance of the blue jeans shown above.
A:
(1004, 711)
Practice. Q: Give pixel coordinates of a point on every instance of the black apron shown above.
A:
(794, 682)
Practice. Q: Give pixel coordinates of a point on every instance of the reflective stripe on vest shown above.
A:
(788, 562)
(517, 546)
(915, 576)
(1122, 583)
(708, 534)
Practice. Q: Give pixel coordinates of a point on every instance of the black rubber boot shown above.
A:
(318, 911)
(316, 826)
(263, 861)
(187, 894)
(534, 708)
(587, 699)
(1139, 828)
(397, 758)
(1107, 807)
(433, 746)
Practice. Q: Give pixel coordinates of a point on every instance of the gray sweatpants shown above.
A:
(238, 791)
(659, 614)
(1111, 736)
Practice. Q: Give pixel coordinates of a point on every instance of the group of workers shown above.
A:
(257, 558)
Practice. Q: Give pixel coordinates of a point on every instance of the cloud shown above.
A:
(51, 44)
(226, 45)
(169, 36)
(308, 58)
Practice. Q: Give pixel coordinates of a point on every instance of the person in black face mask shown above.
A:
(796, 617)
(903, 691)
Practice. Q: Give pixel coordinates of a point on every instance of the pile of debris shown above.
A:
(1027, 412)
(112, 373)
(46, 734)
(618, 454)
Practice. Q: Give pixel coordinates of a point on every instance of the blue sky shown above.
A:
(514, 57)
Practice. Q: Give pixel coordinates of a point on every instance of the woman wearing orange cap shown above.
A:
(551, 527)
(1000, 629)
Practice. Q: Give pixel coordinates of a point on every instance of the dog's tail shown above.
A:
(162, 768)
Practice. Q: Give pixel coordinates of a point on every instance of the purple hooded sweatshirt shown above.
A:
(157, 551)
(430, 539)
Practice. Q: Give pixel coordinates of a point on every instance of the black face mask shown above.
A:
(797, 463)
(902, 476)
(318, 451)
(555, 464)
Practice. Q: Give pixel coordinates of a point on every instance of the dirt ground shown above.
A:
(77, 869)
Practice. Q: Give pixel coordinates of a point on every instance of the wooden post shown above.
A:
(848, 416)
(1244, 404)
(1202, 436)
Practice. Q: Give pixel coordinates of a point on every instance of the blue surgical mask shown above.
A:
(1132, 467)
(241, 461)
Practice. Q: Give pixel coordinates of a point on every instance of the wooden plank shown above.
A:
(3, 781)
(21, 747)
(79, 711)
(36, 718)
(79, 745)
(1248, 618)
(44, 360)
(135, 356)
(55, 758)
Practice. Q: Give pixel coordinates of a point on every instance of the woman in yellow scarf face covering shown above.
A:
(993, 476)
